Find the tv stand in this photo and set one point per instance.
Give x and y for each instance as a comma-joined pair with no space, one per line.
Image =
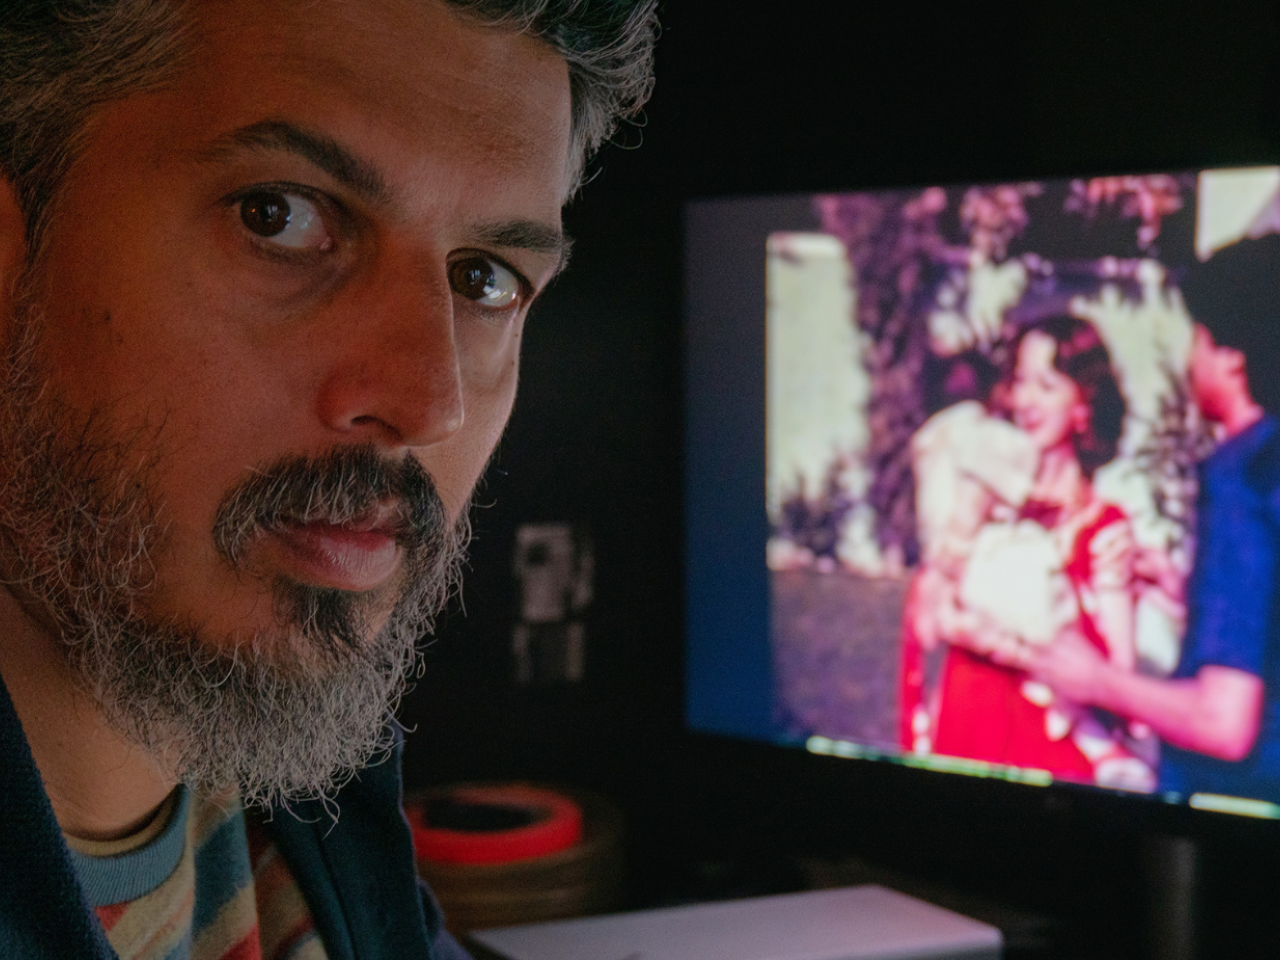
1172,867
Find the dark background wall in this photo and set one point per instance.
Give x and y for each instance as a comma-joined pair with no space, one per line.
790,97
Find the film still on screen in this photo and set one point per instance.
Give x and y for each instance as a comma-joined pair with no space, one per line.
1023,480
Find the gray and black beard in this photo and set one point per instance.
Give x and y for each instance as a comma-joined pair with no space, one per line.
287,715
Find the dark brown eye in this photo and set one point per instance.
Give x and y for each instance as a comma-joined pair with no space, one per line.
266,214
287,220
471,278
485,282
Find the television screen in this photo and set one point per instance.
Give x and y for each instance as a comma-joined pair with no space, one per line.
985,479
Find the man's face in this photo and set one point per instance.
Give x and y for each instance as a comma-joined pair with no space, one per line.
1217,375
313,252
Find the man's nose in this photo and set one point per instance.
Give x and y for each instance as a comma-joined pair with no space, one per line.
397,379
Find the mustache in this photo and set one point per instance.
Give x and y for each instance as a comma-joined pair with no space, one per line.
346,485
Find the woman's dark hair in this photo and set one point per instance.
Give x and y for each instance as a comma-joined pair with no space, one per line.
1082,356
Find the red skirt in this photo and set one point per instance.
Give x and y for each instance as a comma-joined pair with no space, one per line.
983,715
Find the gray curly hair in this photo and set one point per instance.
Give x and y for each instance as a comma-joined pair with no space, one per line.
60,59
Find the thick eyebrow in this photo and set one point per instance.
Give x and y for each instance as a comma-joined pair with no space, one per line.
325,152
363,179
526,235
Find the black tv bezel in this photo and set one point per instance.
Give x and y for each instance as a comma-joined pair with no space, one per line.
836,792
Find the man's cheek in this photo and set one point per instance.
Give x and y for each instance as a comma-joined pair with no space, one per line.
490,391
456,466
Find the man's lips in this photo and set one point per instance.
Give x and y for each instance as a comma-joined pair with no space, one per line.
356,556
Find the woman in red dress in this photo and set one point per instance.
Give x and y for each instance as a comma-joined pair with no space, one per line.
1063,393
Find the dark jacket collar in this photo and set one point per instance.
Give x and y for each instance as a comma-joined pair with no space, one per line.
43,913
357,875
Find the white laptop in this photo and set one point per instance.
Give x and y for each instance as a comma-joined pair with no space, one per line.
848,923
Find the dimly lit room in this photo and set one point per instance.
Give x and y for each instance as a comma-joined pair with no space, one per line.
639,480
624,517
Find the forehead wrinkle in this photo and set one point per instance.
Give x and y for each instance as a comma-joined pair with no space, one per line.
510,93
319,149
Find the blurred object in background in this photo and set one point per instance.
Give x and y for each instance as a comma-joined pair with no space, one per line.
556,571
502,854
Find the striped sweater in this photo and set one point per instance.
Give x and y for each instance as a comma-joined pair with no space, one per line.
358,874
200,883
